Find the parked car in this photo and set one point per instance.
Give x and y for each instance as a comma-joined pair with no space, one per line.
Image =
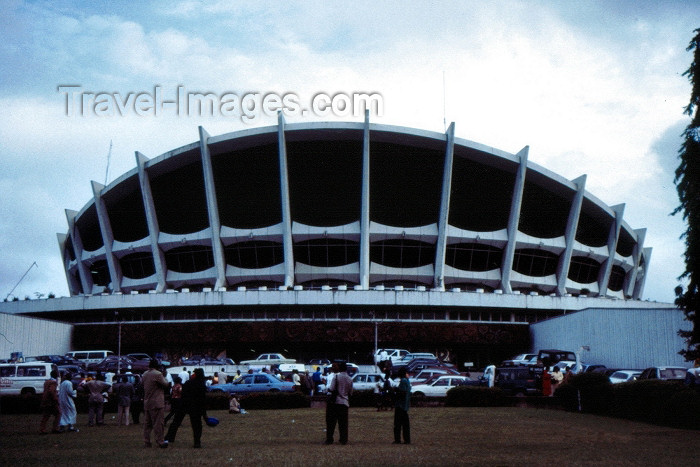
560,358
352,369
366,381
410,356
427,373
215,361
114,363
438,387
192,360
268,359
139,356
256,382
517,380
56,360
592,368
89,356
24,378
606,371
521,359
133,378
76,372
418,364
668,373
318,362
622,376
73,369
389,354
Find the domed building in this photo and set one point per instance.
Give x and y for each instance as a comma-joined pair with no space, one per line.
322,237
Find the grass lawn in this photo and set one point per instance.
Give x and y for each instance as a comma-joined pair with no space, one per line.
441,436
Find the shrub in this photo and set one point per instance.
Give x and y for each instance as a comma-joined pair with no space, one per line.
655,401
683,409
274,400
587,392
471,396
364,398
217,400
20,404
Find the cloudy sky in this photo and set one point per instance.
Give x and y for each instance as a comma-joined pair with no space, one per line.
592,87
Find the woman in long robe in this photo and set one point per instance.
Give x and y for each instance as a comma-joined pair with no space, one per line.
66,396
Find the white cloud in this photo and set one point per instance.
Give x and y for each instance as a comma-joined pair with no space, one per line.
587,99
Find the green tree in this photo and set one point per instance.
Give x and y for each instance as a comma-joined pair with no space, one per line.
688,185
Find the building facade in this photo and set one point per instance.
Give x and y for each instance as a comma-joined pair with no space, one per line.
330,237
349,205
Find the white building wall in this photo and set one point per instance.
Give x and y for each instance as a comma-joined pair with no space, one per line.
618,338
33,336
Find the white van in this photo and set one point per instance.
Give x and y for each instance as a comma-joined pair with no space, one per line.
24,378
90,356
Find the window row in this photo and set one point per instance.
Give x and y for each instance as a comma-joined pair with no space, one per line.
333,252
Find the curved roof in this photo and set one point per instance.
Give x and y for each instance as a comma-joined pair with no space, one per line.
353,205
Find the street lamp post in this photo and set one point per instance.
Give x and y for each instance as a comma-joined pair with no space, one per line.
376,324
119,343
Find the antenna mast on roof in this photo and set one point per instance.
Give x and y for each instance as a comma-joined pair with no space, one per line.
21,279
444,117
109,156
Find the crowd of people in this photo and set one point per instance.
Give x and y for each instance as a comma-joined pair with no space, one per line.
187,396
148,397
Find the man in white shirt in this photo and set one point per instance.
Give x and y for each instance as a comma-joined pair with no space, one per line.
184,375
340,389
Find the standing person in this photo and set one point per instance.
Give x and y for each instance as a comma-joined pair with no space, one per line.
223,377
66,403
296,380
307,384
194,393
329,376
137,402
557,378
387,390
175,398
124,392
490,375
49,404
154,387
378,398
95,389
341,389
401,405
184,375
546,382
317,379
